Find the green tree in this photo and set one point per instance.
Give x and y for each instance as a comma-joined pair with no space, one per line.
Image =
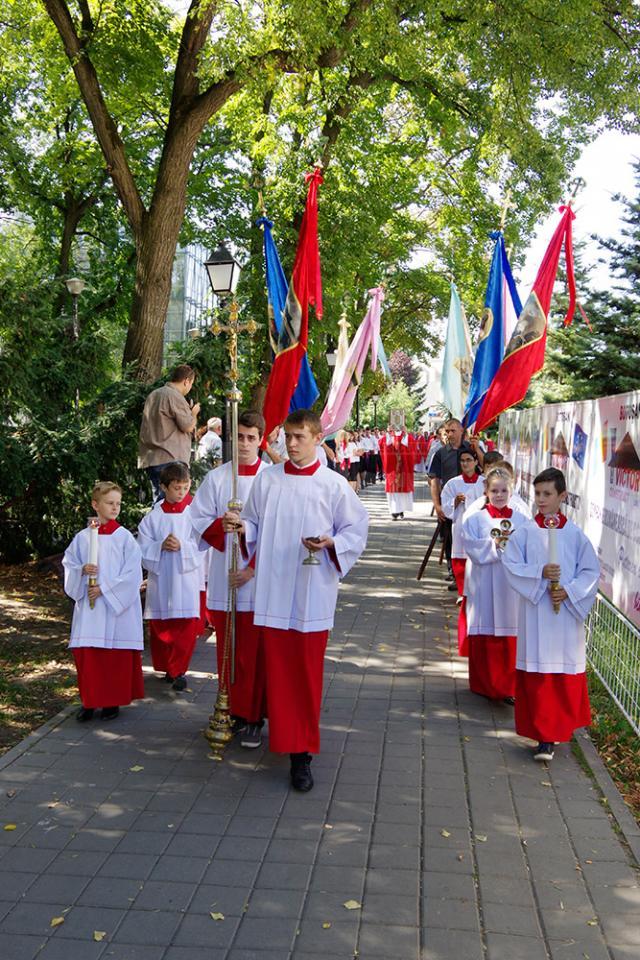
413,111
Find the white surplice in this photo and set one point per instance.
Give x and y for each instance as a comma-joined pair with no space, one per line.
551,642
115,622
281,510
492,606
175,577
209,504
472,491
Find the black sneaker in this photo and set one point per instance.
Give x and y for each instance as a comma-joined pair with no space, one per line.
510,701
450,578
180,683
168,678
84,714
238,724
544,751
453,586
301,778
251,736
394,516
109,713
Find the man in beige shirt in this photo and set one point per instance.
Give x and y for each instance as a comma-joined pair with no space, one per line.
167,424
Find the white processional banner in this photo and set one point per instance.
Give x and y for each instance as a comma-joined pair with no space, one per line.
595,443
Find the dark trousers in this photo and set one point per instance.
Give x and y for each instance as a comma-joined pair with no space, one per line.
448,540
154,476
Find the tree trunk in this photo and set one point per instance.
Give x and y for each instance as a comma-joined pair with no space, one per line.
156,250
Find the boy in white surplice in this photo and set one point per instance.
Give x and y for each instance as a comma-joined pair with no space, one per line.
551,685
106,638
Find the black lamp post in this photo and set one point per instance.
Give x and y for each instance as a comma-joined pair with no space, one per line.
75,286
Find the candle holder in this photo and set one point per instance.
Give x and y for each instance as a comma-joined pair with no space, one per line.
93,523
552,522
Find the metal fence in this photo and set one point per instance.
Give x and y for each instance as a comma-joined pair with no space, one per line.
613,650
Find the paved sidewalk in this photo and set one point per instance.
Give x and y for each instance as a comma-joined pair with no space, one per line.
427,812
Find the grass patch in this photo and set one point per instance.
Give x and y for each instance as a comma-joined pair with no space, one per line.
617,742
37,674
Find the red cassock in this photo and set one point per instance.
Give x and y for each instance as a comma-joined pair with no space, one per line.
458,565
247,695
294,688
172,644
398,458
550,706
491,666
107,677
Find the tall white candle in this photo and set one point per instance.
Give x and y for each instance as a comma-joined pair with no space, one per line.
93,543
553,544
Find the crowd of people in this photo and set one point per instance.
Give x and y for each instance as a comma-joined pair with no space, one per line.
524,584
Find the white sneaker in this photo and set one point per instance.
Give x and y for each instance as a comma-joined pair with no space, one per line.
544,751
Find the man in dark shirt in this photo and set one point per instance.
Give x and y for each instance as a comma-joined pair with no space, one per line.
446,465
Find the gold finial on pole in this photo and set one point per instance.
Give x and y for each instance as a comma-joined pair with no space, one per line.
220,732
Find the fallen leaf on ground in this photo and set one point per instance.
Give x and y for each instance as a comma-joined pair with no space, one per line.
444,833
546,783
481,837
56,921
217,916
136,769
99,935
11,826
11,793
592,923
325,926
352,904
466,739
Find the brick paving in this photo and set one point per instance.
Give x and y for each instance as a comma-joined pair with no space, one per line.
427,812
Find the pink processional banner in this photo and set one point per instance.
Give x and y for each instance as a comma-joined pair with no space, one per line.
596,443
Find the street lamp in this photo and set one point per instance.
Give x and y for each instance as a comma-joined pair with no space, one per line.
374,399
224,272
75,286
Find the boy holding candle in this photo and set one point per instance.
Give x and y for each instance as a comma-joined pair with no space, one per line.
106,630
551,685
171,556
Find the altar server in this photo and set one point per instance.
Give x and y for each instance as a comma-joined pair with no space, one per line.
492,606
248,691
551,685
515,500
298,512
399,457
457,495
174,563
106,639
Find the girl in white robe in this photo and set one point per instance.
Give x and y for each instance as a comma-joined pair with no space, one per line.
492,606
172,558
551,686
456,497
106,639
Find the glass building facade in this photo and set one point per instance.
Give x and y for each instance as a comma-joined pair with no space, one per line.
191,295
